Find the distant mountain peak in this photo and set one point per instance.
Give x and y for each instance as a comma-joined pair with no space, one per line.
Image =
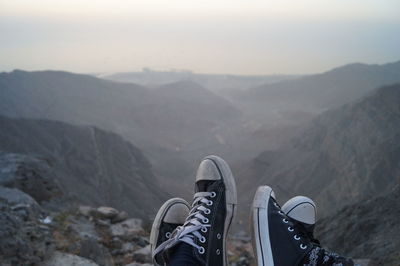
362,66
188,90
186,84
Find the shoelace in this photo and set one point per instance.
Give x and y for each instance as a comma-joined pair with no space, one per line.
195,222
303,232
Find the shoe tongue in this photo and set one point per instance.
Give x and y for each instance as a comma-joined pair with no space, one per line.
203,185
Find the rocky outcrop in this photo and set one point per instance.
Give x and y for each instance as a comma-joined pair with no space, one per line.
29,174
367,229
32,231
24,237
59,258
90,165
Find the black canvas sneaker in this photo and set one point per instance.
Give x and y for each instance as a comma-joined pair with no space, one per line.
277,238
171,215
207,225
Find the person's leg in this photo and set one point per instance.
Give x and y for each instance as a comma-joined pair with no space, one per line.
202,238
183,255
280,239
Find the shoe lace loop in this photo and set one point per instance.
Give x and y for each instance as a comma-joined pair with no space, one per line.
194,223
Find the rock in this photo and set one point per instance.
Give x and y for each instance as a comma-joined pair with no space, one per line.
17,198
23,240
365,262
139,264
84,228
122,216
240,252
20,201
86,211
127,229
59,258
28,174
47,220
116,243
96,252
358,231
142,241
106,212
104,223
127,247
142,255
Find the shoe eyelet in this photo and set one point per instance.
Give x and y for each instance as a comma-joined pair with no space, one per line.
202,239
296,237
281,212
276,205
201,250
210,202
290,229
205,220
303,246
204,229
167,234
285,221
218,236
218,251
213,194
207,211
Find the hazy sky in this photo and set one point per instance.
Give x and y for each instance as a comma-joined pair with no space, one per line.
207,36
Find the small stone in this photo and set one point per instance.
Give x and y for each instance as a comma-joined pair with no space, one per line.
142,255
127,229
59,258
363,262
91,249
106,212
86,211
127,247
122,216
142,241
47,220
105,223
116,243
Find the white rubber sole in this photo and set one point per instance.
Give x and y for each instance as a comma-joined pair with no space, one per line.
260,227
231,196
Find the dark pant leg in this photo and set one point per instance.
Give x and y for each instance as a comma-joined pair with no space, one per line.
183,256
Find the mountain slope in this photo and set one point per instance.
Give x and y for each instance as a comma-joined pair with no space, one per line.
169,130
213,82
139,114
341,157
322,91
93,166
366,229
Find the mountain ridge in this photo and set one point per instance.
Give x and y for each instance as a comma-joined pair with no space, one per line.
92,165
326,90
349,153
